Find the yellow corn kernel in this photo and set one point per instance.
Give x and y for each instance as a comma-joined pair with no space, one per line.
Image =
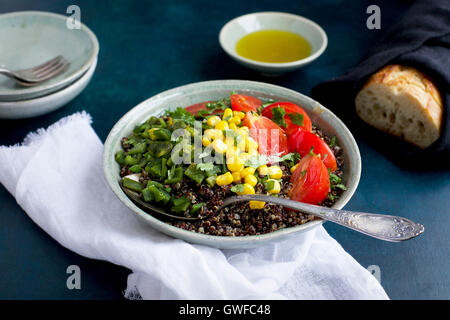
206,142
263,170
242,132
247,171
248,189
213,134
245,128
241,143
234,163
232,126
232,151
244,156
213,121
227,114
276,186
239,114
251,180
236,176
151,133
235,120
222,125
275,172
224,179
293,168
219,146
251,146
256,204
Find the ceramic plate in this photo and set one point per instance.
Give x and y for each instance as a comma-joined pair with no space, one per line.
214,90
30,38
38,106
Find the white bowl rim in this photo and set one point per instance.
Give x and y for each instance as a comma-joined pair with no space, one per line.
77,73
276,64
195,237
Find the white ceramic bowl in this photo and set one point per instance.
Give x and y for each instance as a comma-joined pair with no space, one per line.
214,90
237,28
42,105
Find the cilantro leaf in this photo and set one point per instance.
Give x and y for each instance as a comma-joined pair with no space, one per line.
333,141
269,184
257,161
278,114
181,114
296,118
292,156
237,188
341,186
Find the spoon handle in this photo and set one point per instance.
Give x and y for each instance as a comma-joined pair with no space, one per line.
380,226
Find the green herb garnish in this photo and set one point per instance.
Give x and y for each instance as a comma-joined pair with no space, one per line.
237,188
296,118
278,114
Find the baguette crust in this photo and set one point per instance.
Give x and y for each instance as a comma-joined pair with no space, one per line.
404,102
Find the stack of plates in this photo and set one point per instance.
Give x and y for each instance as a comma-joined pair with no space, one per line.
30,38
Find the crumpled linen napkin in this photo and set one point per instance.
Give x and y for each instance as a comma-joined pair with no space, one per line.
56,176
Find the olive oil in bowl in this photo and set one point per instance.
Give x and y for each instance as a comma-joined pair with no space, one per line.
273,46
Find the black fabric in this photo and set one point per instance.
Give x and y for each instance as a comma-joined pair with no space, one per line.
421,39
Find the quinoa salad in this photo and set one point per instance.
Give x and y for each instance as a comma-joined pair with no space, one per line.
188,160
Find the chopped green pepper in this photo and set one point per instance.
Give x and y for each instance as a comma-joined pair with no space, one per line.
174,175
135,169
195,174
160,148
147,195
138,148
131,161
155,170
163,167
160,134
120,157
132,184
181,204
196,208
158,194
211,181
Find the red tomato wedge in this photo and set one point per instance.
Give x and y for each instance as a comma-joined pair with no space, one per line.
240,102
272,140
302,141
292,110
310,181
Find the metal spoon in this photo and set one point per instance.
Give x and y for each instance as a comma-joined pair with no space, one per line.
380,226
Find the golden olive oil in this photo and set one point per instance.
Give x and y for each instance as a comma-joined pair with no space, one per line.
274,46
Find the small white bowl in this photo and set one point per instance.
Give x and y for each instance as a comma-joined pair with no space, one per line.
237,28
42,105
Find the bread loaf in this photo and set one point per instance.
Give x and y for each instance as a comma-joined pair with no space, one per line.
404,102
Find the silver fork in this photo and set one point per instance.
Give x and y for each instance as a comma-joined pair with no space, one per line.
33,76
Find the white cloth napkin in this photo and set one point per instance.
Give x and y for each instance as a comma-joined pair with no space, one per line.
56,177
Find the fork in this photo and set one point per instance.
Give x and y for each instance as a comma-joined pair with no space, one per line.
34,76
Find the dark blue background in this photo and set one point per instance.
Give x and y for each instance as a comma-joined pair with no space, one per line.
149,46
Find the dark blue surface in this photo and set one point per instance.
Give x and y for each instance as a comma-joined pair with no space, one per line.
148,47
